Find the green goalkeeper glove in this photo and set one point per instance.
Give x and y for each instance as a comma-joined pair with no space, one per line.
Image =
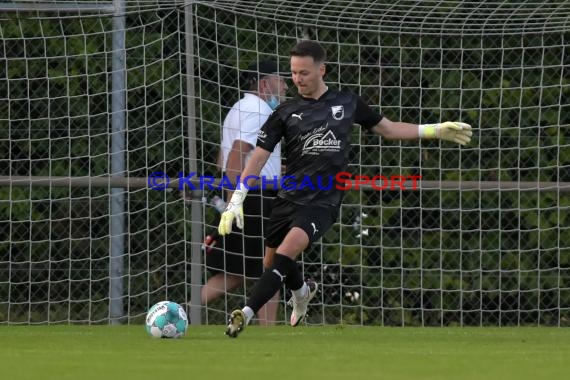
450,130
234,210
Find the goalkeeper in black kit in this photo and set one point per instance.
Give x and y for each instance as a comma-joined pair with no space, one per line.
316,128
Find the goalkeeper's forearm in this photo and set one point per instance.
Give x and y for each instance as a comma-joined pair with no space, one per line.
252,169
451,131
234,209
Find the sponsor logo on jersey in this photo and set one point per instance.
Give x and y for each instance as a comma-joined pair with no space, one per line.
319,141
337,112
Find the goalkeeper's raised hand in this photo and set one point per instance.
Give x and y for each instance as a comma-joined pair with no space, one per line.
450,131
234,210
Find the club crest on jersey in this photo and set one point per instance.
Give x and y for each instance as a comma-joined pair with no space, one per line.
337,112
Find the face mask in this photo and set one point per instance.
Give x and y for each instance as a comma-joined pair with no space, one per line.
273,102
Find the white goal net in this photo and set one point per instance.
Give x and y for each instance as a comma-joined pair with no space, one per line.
97,96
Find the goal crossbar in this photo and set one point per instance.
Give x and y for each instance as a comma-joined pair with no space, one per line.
101,7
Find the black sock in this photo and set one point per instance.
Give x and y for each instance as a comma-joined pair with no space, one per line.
270,281
294,279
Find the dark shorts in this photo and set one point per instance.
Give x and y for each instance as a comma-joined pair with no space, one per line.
241,252
314,220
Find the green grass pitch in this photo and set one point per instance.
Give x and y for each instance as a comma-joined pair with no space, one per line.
282,352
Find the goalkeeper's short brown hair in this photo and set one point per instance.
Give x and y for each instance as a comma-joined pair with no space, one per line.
309,48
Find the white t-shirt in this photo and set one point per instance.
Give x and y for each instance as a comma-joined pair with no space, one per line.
242,123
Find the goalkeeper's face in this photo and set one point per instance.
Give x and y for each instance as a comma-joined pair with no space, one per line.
307,75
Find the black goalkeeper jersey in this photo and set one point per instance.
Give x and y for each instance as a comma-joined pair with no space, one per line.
317,140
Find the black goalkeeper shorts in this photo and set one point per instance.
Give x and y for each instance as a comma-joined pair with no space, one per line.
241,252
314,220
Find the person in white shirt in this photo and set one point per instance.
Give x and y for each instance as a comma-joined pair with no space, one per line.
241,259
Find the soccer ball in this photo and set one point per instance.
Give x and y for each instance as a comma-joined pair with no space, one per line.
166,319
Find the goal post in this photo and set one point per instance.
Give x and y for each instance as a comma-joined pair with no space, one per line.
483,241
84,83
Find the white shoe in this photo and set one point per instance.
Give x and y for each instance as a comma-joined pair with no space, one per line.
300,306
